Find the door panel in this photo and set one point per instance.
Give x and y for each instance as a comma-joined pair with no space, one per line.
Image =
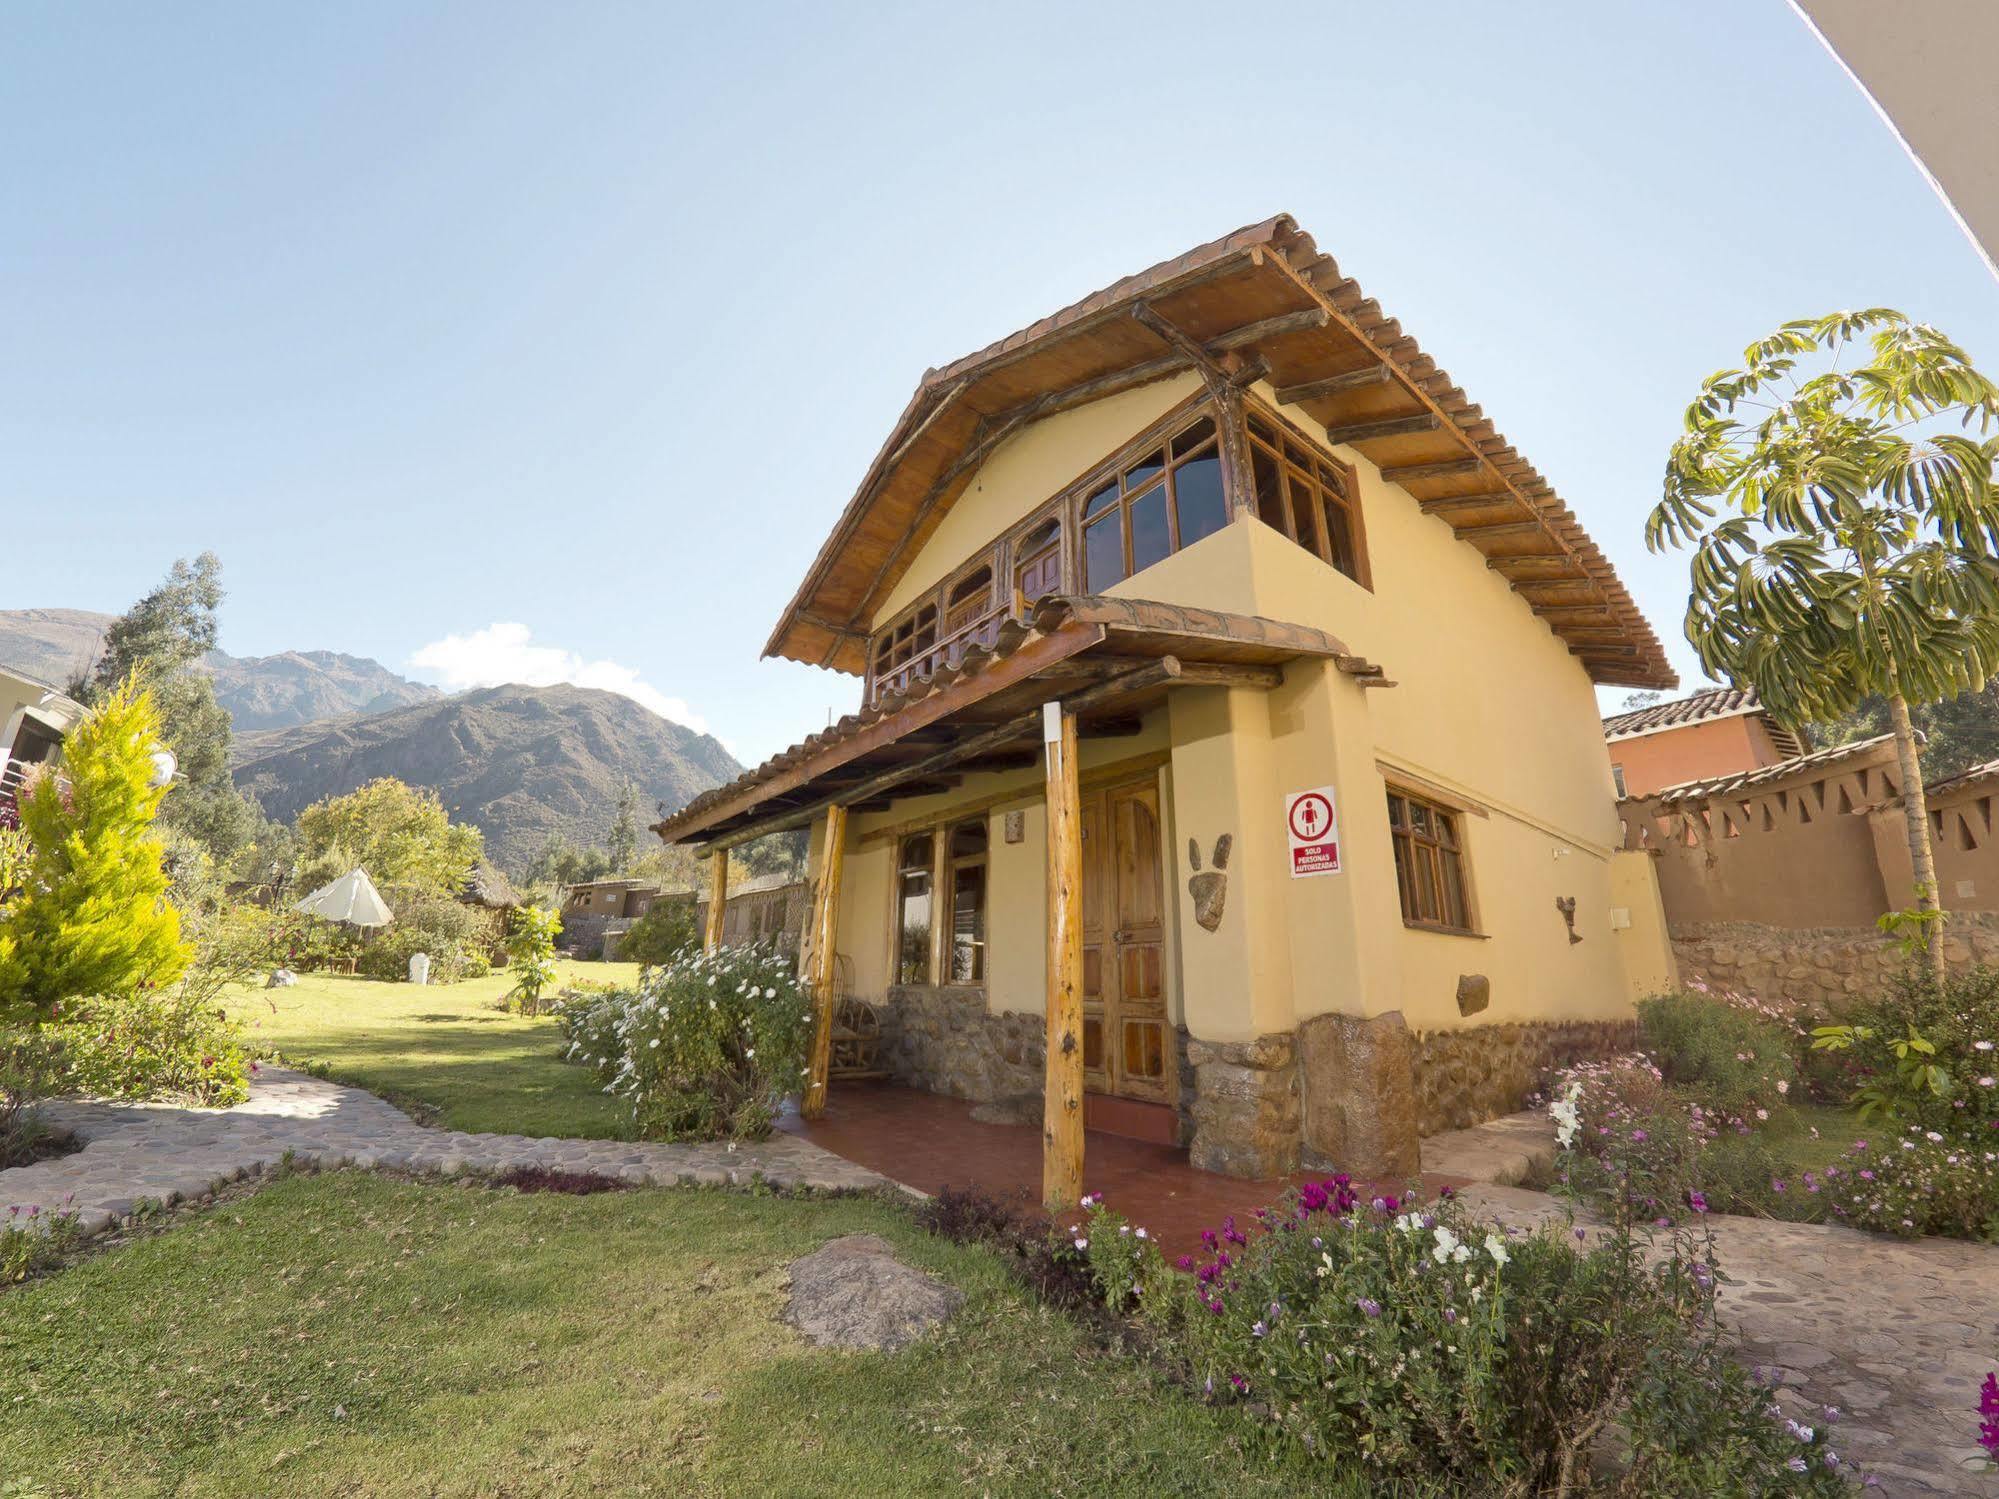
1124,999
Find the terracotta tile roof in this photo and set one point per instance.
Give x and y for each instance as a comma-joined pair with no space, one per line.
1716,702
1766,775
1251,279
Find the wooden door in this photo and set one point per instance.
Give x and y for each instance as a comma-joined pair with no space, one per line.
1126,1047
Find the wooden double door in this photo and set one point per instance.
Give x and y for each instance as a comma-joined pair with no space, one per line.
1127,1040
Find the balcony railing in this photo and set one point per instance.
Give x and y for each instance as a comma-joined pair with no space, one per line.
982,630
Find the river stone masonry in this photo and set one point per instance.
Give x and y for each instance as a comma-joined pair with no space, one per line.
1820,970
945,1040
1246,1112
139,1152
1468,1075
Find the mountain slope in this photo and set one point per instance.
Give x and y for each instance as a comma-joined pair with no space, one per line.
259,692
295,687
518,762
51,645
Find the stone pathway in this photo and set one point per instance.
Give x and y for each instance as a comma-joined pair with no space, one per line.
138,1151
1896,1334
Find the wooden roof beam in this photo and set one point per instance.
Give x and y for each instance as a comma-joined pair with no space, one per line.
1392,426
1451,503
1509,528
1332,385
1270,327
1453,468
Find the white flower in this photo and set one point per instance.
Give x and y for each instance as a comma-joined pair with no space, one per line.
1082,1243
1141,1233
1496,1247
749,1051
654,1042
1461,1254
1782,1086
1446,1243
1981,1046
1985,1082
1933,1137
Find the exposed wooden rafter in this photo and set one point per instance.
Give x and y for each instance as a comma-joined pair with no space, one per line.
1332,385
1450,468
1452,503
1392,426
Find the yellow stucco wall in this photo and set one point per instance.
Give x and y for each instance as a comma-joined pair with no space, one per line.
1033,466
1490,707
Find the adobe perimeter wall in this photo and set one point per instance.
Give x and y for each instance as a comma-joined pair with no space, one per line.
1818,969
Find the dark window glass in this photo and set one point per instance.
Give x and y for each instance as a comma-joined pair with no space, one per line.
968,838
977,586
1097,502
1150,540
1142,472
1193,437
968,923
1269,492
1103,553
1197,498
1258,427
1429,863
1304,511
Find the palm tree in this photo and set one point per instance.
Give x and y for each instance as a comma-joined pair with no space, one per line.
1861,551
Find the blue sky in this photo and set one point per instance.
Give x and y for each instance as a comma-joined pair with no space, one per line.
584,320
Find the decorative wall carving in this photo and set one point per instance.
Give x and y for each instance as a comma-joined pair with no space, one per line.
1209,889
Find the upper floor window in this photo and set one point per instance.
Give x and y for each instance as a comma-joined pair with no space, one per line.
906,642
1305,494
1166,498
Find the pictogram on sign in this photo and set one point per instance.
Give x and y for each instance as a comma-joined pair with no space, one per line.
1312,824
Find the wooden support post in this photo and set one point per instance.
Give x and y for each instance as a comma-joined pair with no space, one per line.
718,897
1062,1093
822,974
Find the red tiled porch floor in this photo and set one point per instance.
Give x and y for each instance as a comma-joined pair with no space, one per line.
927,1141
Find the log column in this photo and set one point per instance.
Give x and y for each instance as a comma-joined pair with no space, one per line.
718,897
1062,1093
821,970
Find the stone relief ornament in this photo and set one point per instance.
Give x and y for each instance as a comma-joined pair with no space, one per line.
1210,890
1566,904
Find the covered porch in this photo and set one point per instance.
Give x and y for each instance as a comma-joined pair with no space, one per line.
1072,671
927,1142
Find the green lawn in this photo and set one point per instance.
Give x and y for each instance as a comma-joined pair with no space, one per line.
443,1047
358,1335
1790,1134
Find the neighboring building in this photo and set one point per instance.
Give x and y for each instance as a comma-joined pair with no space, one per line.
1721,732
769,908
1927,69
34,718
1228,525
603,908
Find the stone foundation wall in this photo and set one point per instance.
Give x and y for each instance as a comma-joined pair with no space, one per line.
1818,969
945,1040
1479,1072
1246,1115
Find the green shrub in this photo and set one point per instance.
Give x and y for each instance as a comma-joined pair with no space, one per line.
163,1043
706,1048
588,1020
662,934
1441,1354
33,1239
1740,1060
28,1074
1926,1054
452,933
531,934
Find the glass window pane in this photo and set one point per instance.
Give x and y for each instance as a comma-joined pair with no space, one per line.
1144,471
1193,437
968,838
1150,540
916,852
1454,892
1297,455
1258,427
1097,502
1340,538
1269,492
1405,882
1197,498
968,924
1425,872
1304,511
913,929
1103,553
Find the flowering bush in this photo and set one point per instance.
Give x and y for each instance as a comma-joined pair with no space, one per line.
1920,1182
1445,1354
1737,1059
161,1043
452,934
706,1047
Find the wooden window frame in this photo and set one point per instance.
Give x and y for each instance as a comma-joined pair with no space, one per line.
1432,849
951,864
1348,500
1163,482
899,899
1065,508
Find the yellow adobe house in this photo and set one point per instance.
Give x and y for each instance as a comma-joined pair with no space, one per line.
1228,769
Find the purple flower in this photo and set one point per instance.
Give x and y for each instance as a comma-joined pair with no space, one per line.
1988,1409
1697,1201
1259,1329
1369,1306
1238,1384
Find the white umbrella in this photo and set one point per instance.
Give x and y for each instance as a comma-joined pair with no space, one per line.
351,898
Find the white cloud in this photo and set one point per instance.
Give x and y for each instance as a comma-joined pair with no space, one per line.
504,652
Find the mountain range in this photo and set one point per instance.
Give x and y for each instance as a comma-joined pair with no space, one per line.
520,763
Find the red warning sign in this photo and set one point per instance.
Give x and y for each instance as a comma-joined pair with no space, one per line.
1313,826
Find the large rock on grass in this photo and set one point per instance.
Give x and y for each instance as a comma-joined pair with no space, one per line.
854,1293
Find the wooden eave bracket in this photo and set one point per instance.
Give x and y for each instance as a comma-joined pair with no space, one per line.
1364,672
